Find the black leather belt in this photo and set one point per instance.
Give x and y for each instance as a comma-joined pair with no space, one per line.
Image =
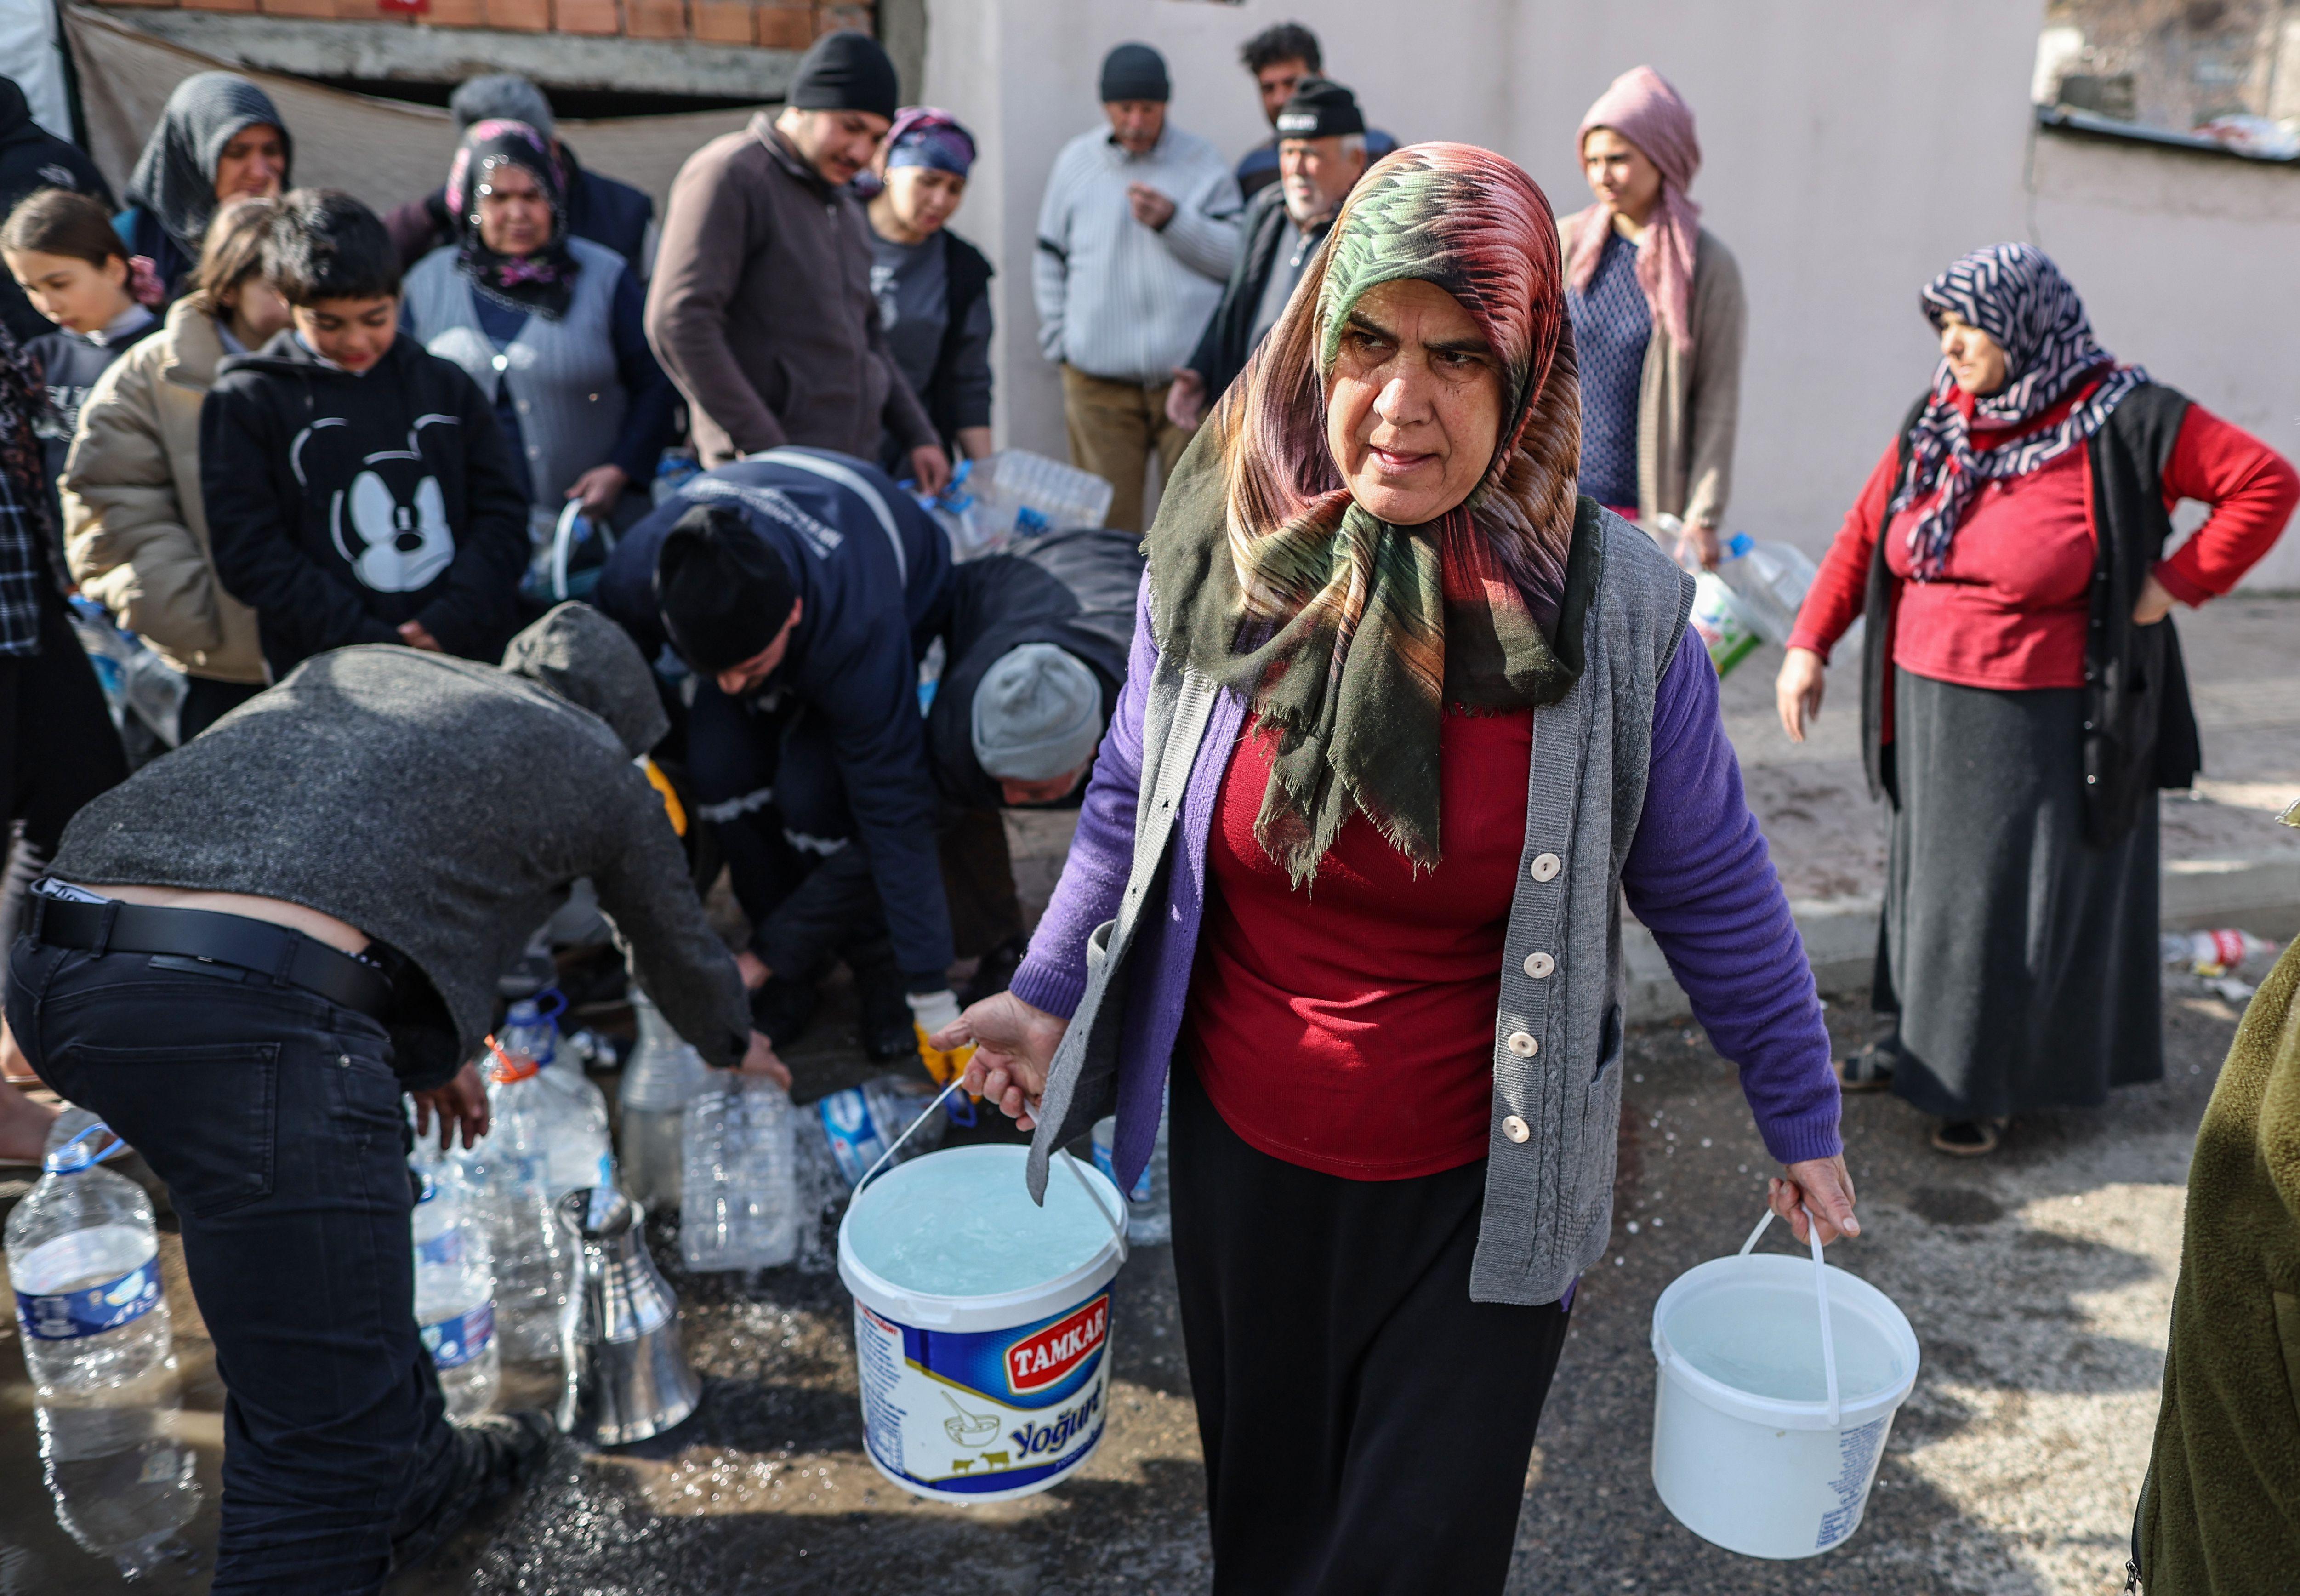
286,956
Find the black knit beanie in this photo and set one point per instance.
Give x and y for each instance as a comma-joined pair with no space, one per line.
845,72
724,591
1321,110
1133,72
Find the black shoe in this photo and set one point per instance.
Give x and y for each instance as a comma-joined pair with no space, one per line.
882,1018
996,973
495,1457
783,1009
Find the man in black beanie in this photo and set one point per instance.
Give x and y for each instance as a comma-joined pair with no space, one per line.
761,306
1322,153
800,590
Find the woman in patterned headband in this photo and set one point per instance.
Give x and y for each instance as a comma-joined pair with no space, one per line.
933,287
2022,698
549,326
1327,879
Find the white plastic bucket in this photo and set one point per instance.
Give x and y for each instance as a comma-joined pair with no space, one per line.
1777,1385
982,1397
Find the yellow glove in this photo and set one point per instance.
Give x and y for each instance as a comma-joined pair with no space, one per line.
931,1012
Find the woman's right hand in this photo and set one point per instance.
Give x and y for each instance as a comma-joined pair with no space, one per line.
1797,690
1014,1046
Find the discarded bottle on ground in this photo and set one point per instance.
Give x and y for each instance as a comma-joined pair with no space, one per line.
1149,1213
454,1286
739,1209
83,1256
663,1075
2211,953
861,1122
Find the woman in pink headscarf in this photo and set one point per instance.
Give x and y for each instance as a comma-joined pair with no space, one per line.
1658,318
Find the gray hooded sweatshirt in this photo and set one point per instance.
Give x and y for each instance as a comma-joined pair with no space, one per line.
443,807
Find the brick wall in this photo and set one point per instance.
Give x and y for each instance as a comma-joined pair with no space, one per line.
770,24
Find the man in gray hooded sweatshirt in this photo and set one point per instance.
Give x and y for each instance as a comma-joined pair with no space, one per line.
248,951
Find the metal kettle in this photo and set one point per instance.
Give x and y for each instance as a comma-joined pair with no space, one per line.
627,1374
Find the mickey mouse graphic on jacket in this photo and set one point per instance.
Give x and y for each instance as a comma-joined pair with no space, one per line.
342,504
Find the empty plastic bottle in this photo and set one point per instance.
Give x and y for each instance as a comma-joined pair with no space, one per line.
2212,952
122,1492
662,1074
741,1200
861,1122
510,1172
1770,580
1022,493
577,1150
1149,1215
454,1286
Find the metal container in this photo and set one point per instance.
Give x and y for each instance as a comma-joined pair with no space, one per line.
627,1374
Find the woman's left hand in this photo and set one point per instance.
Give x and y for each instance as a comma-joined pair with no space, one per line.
599,488
1700,543
2155,602
1822,1185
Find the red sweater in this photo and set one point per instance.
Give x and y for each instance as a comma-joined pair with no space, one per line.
2010,609
1348,1027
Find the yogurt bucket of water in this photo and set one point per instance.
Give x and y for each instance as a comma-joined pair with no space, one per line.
1778,1381
982,1320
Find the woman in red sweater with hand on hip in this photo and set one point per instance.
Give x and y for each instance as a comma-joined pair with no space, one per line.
2023,695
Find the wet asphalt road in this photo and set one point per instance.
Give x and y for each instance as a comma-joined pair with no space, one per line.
2038,1283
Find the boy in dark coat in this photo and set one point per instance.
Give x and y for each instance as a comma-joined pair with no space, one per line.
358,489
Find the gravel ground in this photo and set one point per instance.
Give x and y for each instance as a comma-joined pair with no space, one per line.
2038,1283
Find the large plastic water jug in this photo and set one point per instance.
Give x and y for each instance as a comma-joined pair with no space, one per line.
1778,1381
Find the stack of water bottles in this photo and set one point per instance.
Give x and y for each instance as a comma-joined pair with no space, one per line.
1016,494
83,1258
762,1176
454,1285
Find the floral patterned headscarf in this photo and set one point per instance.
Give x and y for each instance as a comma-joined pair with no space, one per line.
1348,635
544,281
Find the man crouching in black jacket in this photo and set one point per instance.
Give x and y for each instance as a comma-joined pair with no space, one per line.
358,489
248,950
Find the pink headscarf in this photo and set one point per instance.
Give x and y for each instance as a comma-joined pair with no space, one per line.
1642,108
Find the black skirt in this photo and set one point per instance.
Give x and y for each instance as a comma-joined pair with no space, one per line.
1366,1426
2021,960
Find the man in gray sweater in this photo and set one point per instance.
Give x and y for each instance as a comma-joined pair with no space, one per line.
248,950
761,306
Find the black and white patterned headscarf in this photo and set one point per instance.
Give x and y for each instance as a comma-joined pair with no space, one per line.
2013,293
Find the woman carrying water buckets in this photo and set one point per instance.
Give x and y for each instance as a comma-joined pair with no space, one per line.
1402,717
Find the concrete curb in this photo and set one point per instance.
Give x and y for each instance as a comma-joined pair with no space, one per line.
1840,933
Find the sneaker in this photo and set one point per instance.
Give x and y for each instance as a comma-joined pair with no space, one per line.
495,1457
783,1009
1968,1138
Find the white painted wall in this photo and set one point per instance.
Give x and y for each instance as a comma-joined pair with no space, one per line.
1853,148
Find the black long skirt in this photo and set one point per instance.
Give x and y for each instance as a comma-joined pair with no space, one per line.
2021,960
1366,1426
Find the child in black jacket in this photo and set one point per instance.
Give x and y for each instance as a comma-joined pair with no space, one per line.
358,489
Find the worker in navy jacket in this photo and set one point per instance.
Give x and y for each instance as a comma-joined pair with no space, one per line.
801,588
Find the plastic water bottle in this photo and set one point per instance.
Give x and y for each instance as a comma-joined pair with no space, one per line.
662,1074
741,1200
1149,1213
861,1122
1022,493
135,681
2213,953
454,1287
1770,580
578,1151
510,1172
84,1260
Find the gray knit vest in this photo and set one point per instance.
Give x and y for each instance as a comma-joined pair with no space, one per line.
562,374
1557,1032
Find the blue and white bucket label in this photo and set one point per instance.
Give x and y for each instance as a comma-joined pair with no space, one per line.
91,1310
856,1142
984,1413
455,1341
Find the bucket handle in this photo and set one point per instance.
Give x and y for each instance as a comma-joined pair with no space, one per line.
1117,1225
1820,1294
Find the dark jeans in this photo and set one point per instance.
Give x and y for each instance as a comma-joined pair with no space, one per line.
274,1117
1366,1426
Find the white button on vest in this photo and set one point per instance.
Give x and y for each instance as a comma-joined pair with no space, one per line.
1515,1129
1544,867
1539,966
1522,1044
503,362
